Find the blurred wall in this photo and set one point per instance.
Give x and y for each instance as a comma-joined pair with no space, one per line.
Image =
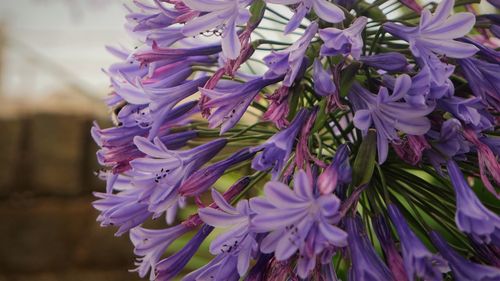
47,225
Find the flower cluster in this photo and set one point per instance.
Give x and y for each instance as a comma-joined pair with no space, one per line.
362,144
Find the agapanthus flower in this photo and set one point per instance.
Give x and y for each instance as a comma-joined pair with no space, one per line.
169,267
343,41
324,9
237,244
390,61
299,220
388,115
223,15
323,82
150,245
483,80
388,245
276,150
232,101
472,217
160,174
204,178
339,171
302,107
289,62
366,264
419,262
435,36
411,149
463,269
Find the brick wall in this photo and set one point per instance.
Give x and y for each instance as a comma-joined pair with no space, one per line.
47,225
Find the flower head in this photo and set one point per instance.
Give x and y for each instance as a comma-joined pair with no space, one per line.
472,217
435,36
223,15
276,150
324,9
345,42
299,220
388,115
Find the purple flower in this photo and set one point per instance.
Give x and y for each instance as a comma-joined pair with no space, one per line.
123,209
483,80
339,171
151,244
171,55
391,61
343,41
448,142
463,269
487,160
297,220
392,255
435,35
323,82
276,150
223,15
203,179
117,147
411,149
169,267
160,174
419,262
237,243
366,264
289,62
472,217
387,114
324,9
231,102
470,111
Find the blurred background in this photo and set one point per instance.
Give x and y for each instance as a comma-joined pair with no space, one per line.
51,89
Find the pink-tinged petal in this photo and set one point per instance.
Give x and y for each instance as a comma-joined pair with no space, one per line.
363,119
302,185
450,48
328,11
277,219
231,45
203,23
335,235
280,195
222,203
454,27
208,5
219,218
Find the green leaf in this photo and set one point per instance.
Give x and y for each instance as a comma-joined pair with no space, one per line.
364,164
371,11
257,12
321,117
348,77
